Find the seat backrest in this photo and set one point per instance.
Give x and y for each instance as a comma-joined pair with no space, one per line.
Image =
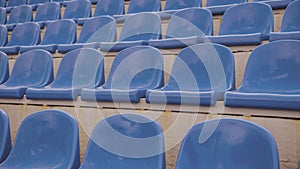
33,2
125,141
78,9
138,67
46,139
291,18
32,68
80,68
203,67
5,140
47,12
26,34
273,68
20,14
3,35
4,68
99,29
180,4
228,143
2,15
16,2
190,22
111,7
141,26
224,2
2,3
60,32
247,18
137,6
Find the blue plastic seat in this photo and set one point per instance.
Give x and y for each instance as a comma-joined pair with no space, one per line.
3,35
173,6
276,4
245,24
32,69
105,7
5,140
25,34
46,139
19,14
2,16
80,68
133,71
290,27
13,3
96,30
137,30
4,68
185,27
271,78
126,141
218,7
200,76
35,3
2,3
138,6
228,144
78,9
58,32
47,12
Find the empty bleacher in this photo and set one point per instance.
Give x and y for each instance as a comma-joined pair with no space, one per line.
176,26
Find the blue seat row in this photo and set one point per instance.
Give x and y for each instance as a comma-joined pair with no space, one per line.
59,35
9,4
83,68
80,10
50,139
46,13
184,29
137,72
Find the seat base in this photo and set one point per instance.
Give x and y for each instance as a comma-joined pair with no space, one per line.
50,48
64,48
238,39
202,98
112,95
285,35
16,92
118,46
262,100
10,50
173,43
52,93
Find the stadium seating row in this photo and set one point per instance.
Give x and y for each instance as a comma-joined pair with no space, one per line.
201,75
80,10
244,24
216,6
50,139
10,4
